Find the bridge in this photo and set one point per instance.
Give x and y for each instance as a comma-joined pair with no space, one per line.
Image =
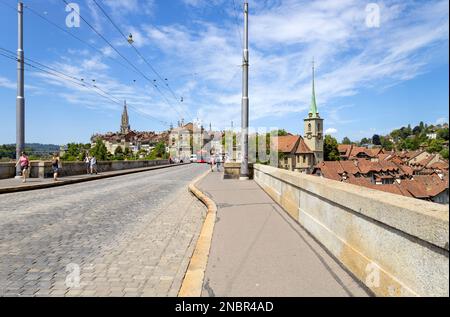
281,234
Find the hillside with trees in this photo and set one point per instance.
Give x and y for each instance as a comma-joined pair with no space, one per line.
432,138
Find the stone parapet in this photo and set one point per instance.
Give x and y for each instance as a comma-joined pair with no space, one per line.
43,169
395,245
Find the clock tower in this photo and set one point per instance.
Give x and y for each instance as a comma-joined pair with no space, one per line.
314,127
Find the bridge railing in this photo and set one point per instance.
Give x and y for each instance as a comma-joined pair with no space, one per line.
395,245
43,169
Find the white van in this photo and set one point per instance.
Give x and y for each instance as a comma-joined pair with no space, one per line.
193,158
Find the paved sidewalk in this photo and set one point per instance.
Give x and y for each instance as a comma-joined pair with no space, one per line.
11,185
258,250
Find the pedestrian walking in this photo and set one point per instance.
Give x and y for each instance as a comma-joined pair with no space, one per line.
24,163
211,161
56,166
93,163
218,162
87,163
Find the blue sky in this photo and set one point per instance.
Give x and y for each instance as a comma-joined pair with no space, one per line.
369,79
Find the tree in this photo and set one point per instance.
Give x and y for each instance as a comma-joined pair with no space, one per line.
364,141
442,134
416,130
376,139
444,153
346,140
118,153
99,150
330,149
435,146
386,143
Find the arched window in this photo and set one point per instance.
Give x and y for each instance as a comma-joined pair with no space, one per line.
309,126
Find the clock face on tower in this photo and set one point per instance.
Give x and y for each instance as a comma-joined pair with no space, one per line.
309,136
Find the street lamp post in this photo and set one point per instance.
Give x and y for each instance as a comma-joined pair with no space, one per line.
244,175
20,100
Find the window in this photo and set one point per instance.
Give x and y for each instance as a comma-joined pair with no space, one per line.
318,126
309,126
304,159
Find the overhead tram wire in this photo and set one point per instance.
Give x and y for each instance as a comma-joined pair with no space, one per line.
236,20
74,36
9,6
126,59
80,83
164,81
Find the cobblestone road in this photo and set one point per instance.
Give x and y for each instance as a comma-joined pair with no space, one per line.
125,236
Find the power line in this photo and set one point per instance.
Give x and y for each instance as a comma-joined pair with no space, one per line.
237,23
163,80
74,36
9,6
78,82
126,59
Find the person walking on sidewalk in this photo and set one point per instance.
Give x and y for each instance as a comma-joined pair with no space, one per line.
24,163
211,161
56,166
218,162
87,162
93,162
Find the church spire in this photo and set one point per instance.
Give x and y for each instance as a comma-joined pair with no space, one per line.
313,108
125,124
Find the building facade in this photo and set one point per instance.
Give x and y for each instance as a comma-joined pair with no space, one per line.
299,153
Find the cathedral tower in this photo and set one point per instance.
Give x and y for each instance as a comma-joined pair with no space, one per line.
125,125
314,127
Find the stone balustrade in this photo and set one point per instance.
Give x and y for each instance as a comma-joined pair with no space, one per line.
43,169
395,245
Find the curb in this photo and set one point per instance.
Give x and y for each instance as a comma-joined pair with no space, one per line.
192,283
7,190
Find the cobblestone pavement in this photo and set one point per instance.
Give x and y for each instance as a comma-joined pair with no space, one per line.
130,235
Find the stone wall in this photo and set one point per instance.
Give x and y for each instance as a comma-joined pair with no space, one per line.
395,245
43,169
232,170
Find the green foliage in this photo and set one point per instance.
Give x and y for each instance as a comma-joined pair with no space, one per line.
444,153
346,140
75,151
435,146
365,141
330,149
386,143
8,151
159,152
442,134
376,139
99,151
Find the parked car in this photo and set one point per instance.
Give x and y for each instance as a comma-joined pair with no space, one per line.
193,158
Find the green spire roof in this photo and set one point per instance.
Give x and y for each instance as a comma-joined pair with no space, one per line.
313,113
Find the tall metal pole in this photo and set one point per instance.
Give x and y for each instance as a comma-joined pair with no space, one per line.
244,116
20,100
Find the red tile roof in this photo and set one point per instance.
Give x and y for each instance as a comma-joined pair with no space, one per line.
286,143
302,147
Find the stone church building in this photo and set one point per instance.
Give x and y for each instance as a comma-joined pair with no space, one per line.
299,153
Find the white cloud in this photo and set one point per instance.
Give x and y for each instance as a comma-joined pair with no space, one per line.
6,83
201,58
331,131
